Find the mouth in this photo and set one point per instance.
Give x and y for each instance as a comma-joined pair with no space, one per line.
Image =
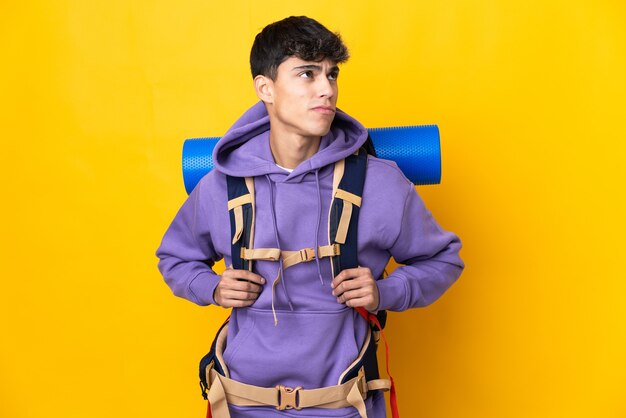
324,110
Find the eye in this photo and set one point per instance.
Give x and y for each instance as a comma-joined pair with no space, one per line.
306,74
333,75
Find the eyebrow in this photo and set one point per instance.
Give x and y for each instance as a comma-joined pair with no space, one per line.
315,68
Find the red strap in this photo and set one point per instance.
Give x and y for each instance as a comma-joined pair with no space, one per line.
208,410
372,319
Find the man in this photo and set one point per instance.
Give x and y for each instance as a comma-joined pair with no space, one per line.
296,326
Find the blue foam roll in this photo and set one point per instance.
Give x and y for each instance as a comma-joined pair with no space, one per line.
415,149
197,160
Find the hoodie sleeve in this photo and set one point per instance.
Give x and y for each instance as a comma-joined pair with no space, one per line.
430,256
186,253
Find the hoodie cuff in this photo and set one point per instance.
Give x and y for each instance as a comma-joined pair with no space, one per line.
393,294
202,287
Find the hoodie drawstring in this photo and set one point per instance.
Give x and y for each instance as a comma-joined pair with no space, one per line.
281,271
317,227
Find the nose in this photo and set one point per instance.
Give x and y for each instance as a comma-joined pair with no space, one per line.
326,88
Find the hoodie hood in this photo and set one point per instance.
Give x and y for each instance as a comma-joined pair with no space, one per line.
244,150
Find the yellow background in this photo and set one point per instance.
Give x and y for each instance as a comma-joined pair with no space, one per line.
97,98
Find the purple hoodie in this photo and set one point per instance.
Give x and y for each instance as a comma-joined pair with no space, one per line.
316,337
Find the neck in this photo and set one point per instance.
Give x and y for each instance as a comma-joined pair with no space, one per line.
289,150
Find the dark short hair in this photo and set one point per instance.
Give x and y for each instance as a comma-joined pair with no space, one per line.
298,36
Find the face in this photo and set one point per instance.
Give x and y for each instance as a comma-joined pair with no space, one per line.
302,100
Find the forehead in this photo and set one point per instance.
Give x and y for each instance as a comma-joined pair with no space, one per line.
293,62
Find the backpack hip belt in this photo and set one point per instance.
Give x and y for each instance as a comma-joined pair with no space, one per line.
221,390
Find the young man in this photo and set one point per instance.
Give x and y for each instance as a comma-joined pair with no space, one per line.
297,326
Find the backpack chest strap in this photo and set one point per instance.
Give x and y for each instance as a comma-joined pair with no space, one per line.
290,258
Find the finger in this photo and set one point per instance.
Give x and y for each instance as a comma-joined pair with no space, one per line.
244,275
239,295
244,286
237,303
351,284
234,281
339,279
349,274
359,302
353,294
242,303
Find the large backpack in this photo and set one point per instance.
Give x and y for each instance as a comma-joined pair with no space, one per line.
348,181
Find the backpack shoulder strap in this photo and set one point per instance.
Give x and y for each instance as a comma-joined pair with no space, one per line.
241,212
348,180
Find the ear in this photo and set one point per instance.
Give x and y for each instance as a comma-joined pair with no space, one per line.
264,88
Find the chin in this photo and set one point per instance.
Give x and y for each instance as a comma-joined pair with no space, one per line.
320,130
322,133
